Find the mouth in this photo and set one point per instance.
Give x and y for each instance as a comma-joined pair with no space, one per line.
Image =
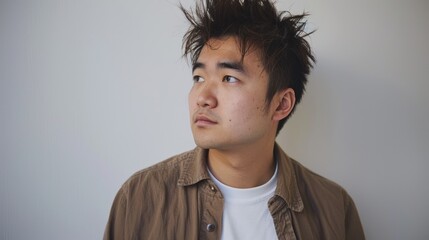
202,121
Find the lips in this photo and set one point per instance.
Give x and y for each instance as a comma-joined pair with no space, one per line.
203,120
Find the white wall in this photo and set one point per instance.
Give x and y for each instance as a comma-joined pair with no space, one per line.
92,91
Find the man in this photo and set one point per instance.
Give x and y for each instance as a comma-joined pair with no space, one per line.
250,65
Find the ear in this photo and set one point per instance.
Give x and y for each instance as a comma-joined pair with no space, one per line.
284,103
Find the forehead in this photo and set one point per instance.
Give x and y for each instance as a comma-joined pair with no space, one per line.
229,48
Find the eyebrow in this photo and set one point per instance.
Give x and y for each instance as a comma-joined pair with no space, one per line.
237,66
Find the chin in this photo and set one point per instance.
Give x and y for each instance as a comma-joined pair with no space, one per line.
203,144
207,143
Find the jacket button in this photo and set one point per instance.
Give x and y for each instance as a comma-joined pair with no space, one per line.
212,188
211,227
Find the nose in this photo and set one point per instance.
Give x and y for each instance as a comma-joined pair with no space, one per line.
207,96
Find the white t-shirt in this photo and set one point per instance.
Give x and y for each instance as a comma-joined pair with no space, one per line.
246,214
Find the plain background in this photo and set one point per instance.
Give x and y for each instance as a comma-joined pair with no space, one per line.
92,91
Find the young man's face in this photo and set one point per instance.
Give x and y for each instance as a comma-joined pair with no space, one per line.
227,101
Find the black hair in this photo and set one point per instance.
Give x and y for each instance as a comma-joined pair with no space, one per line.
279,37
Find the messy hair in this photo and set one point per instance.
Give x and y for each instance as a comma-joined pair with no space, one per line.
279,37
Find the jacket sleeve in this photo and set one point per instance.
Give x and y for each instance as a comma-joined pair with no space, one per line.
354,229
115,228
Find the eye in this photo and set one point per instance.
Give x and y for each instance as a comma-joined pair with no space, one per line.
230,79
198,79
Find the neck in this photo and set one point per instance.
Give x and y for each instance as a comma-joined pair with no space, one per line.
243,168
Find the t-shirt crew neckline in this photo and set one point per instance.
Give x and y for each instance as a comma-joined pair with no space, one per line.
248,195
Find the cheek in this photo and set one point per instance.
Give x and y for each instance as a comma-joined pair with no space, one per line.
258,104
248,107
242,113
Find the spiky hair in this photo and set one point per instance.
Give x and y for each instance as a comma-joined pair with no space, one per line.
279,37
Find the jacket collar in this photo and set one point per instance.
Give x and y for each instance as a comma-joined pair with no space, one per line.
195,170
287,185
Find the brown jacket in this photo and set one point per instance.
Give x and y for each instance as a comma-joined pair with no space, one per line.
176,199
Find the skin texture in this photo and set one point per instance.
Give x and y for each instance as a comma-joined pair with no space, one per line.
230,116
